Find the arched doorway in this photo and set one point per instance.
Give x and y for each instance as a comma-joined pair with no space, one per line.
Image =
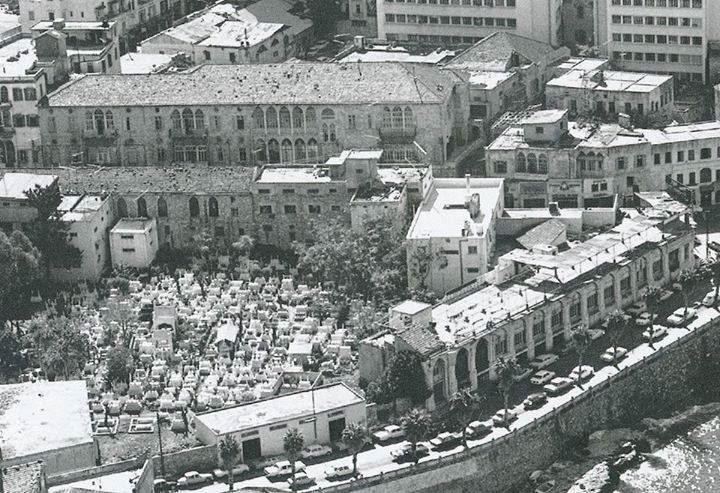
439,393
462,371
482,357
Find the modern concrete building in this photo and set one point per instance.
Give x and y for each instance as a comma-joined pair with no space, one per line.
49,422
457,23
134,242
15,208
320,414
452,236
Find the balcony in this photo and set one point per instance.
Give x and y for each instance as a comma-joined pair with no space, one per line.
398,135
190,135
106,138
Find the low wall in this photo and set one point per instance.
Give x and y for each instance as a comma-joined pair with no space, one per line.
194,459
661,382
94,472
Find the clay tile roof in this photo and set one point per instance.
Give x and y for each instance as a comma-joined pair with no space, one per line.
422,339
543,234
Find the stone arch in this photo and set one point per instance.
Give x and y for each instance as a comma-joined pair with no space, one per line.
705,175
194,207
271,117
162,207
273,151
213,208
258,117
298,118
286,151
520,163
531,163
482,356
439,379
284,117
542,164
260,151
300,151
122,208
142,207
462,369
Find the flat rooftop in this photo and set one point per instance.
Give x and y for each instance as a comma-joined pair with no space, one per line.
132,225
280,409
382,53
489,80
43,416
75,26
17,57
610,81
14,185
80,207
544,116
443,214
581,63
294,175
144,63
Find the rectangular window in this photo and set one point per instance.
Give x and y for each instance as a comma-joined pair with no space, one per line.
128,250
668,157
265,209
500,167
158,122
609,295
592,303
472,250
620,162
290,209
240,122
17,94
680,156
519,340
639,161
288,191
314,209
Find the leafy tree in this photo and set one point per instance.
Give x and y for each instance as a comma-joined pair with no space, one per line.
616,325
354,436
580,339
464,406
244,244
652,300
293,443
122,284
229,453
19,272
61,349
121,313
505,370
49,233
377,391
405,377
119,365
688,280
416,424
11,359
419,263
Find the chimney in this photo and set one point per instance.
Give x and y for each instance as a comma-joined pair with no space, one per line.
359,42
58,24
624,121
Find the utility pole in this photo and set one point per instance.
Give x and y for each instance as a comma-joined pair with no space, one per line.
707,237
162,458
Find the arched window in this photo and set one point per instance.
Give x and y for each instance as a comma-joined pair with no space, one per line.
387,118
258,118
543,164
122,208
213,209
176,120
194,207
705,175
439,382
312,151
89,120
397,117
520,166
273,151
286,151
310,117
4,94
162,207
300,153
188,119
532,163
327,114
580,161
409,117
142,207
260,151
462,369
332,132
298,118
271,117
325,132
99,121
109,124
482,361
199,119
284,117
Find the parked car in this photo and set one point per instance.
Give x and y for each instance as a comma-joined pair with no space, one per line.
498,418
580,373
709,299
390,432
339,471
682,316
542,377
666,294
163,485
544,360
315,450
446,439
193,478
522,373
283,468
558,385
534,401
238,470
612,354
301,480
637,308
405,451
596,334
477,429
643,320
658,333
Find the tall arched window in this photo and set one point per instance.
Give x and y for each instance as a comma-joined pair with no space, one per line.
397,117
705,175
284,117
99,121
142,207
580,161
199,119
273,151
176,120
89,120
327,114
439,382
271,117
122,208
409,117
312,151
300,153
298,118
286,151
188,119
332,132
194,207
532,163
543,164
213,209
325,132
109,123
520,165
162,207
260,151
4,94
258,118
387,118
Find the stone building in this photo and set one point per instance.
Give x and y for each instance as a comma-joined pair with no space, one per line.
578,23
256,114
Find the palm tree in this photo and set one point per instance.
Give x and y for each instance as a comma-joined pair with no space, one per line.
687,280
463,408
293,443
652,300
616,325
505,369
229,453
416,424
581,339
354,436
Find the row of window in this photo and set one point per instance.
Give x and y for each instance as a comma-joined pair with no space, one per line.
434,39
291,209
531,163
476,3
17,120
452,20
18,94
649,20
659,39
683,4
705,177
657,57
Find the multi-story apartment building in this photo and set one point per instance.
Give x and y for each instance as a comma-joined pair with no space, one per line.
464,22
256,114
660,36
547,159
136,19
534,300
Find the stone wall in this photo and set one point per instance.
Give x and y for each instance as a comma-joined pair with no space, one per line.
661,382
203,459
94,472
